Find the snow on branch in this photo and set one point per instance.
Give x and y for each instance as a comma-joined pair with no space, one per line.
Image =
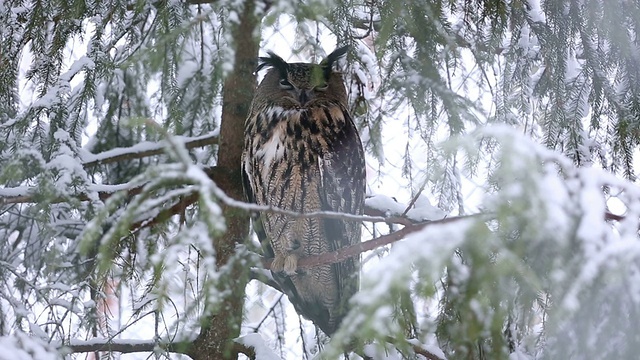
117,345
146,148
133,346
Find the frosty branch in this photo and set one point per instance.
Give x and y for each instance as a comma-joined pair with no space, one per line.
146,149
104,192
372,214
126,346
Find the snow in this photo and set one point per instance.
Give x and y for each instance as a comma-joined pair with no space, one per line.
435,350
15,191
617,253
573,67
53,95
535,13
72,306
519,355
38,332
255,341
141,147
100,341
426,250
387,205
78,65
186,71
423,210
21,346
593,205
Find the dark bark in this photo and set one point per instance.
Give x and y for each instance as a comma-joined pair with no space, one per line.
215,339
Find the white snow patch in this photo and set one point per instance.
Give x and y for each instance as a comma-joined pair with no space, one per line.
536,14
432,348
186,71
389,206
423,210
20,346
255,341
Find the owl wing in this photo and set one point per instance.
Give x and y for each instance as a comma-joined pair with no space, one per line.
248,191
248,178
342,169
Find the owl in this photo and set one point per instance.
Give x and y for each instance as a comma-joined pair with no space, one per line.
302,153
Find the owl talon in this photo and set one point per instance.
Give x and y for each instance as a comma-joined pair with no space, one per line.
291,264
277,265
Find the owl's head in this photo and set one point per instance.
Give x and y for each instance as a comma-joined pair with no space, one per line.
301,85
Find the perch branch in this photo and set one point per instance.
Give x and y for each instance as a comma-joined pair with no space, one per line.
356,249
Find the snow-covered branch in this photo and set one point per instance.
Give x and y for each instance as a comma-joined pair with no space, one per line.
147,148
118,345
134,346
375,212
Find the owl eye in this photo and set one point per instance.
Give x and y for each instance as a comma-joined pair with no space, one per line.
285,84
322,87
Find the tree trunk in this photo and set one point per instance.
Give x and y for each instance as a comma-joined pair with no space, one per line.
216,338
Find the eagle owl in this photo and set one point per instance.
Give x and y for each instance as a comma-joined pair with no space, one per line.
302,153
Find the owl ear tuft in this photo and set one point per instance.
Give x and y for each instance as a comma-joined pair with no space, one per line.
274,61
327,63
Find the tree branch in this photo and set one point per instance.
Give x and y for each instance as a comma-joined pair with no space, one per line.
371,214
127,346
145,149
124,346
264,276
357,249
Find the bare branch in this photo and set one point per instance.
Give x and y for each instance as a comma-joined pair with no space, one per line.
426,353
264,277
418,349
355,250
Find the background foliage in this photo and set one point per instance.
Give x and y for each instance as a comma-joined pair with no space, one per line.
121,125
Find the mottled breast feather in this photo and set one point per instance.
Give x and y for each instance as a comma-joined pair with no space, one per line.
308,160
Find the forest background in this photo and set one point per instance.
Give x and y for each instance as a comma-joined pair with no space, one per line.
502,211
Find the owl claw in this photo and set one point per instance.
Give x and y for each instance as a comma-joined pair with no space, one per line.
287,264
278,264
291,264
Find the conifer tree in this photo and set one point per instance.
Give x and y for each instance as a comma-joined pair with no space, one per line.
122,211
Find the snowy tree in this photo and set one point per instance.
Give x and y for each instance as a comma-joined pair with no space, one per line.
123,225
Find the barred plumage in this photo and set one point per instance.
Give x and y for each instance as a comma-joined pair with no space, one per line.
302,153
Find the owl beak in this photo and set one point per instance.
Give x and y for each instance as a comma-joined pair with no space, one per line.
304,96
